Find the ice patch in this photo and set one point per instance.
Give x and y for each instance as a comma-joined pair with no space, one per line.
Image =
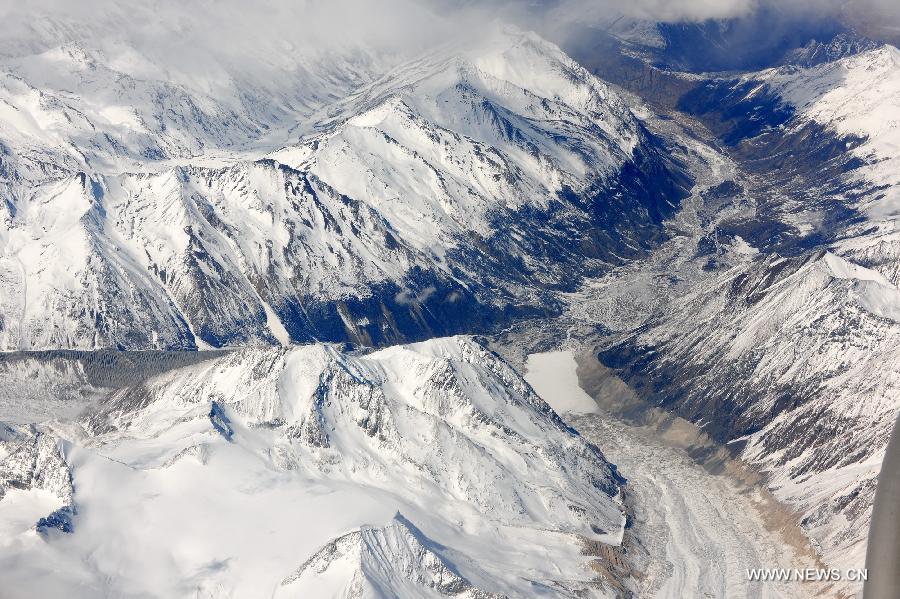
276,327
552,375
871,290
741,246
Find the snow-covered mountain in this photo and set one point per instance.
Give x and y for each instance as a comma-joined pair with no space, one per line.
474,177
354,565
854,97
423,470
772,322
790,363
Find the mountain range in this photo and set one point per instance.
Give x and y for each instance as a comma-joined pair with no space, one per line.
247,325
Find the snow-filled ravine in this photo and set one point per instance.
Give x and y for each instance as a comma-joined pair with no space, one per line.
701,531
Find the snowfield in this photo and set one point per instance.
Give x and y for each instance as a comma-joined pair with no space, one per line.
552,376
421,470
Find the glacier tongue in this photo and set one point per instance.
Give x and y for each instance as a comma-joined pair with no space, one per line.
324,448
769,319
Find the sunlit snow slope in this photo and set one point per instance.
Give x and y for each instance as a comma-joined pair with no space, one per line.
855,96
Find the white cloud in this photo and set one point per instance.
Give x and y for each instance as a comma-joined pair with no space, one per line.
205,37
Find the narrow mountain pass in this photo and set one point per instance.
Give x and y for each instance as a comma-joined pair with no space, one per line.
702,532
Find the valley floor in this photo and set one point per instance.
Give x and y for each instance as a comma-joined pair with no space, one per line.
701,532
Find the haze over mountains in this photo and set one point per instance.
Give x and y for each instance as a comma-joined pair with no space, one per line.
714,223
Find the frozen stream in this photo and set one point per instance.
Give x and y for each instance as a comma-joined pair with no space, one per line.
701,531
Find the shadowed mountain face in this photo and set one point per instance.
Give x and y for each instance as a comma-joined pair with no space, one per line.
765,37
786,363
